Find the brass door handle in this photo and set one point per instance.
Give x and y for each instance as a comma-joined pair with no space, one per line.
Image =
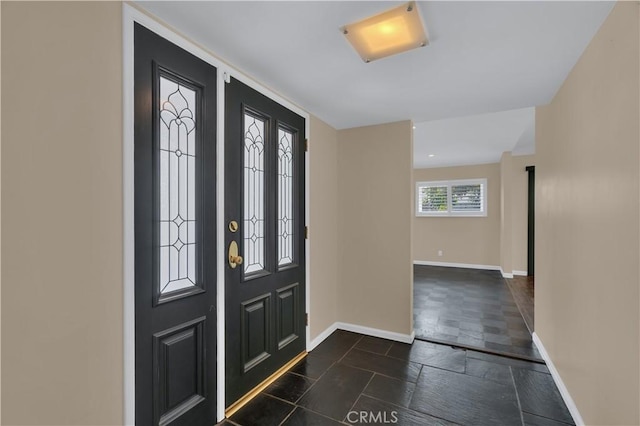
234,258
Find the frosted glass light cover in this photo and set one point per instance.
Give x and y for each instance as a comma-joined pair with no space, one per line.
394,31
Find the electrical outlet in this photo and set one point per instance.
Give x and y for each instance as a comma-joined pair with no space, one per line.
440,253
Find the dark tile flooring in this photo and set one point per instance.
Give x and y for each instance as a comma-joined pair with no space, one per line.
396,383
471,308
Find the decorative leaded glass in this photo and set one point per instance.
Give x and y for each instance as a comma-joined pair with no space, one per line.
177,186
254,206
285,197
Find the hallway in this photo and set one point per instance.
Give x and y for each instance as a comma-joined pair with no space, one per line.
420,384
392,160
471,308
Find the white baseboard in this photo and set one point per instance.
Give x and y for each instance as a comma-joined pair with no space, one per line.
470,266
571,405
457,265
376,332
320,337
506,274
368,331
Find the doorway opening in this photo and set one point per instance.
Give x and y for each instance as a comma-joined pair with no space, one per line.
478,306
523,287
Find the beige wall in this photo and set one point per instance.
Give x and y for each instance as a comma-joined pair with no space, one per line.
500,239
323,226
519,210
514,202
587,245
374,228
0,218
472,240
506,219
62,213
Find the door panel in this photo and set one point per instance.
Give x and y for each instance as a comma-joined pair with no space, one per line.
264,195
175,181
179,356
287,313
254,330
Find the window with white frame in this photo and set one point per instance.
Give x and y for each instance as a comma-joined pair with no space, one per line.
452,198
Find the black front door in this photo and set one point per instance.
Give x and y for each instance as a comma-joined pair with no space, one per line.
264,227
175,235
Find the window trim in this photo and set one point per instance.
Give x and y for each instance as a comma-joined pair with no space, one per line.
449,184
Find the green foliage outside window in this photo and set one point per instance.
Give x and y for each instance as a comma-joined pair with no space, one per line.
434,199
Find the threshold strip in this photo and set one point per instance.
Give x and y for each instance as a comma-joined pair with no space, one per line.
483,350
233,408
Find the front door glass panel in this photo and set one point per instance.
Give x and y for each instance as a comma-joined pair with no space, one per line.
285,197
254,187
177,209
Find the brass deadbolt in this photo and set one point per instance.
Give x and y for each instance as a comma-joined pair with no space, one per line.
233,226
234,258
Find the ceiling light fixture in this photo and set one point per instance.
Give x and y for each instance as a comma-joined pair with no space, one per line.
394,31
431,155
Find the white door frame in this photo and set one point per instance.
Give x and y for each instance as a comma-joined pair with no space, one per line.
131,15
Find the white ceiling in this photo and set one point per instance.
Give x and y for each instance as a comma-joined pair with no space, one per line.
483,57
475,139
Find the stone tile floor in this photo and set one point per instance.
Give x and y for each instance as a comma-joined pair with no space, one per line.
395,383
469,307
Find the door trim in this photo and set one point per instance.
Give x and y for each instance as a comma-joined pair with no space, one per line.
531,219
131,15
